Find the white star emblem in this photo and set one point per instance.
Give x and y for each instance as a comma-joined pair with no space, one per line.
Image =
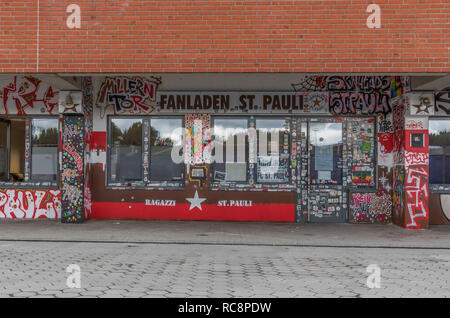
196,202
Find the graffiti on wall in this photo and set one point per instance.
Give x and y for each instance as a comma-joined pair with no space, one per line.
32,204
416,189
366,103
421,103
442,103
72,177
128,95
371,208
28,95
395,85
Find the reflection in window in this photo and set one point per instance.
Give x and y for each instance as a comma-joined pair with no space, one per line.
165,134
230,150
126,150
439,144
272,150
44,149
326,153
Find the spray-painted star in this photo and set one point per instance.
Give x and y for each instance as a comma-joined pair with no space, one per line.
196,202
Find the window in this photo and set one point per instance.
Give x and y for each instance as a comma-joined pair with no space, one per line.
33,138
439,147
140,150
272,150
165,134
230,150
326,153
126,149
44,149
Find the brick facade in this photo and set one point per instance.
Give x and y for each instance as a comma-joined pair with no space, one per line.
224,36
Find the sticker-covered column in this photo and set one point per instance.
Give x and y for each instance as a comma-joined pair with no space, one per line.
72,174
419,107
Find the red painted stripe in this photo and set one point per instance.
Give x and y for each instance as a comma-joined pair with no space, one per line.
283,212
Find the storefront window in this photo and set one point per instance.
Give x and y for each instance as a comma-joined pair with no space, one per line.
44,149
273,150
230,150
326,153
439,143
126,149
165,134
141,150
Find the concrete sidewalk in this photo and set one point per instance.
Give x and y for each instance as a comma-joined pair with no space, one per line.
246,233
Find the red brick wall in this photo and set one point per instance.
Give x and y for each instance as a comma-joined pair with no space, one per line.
225,36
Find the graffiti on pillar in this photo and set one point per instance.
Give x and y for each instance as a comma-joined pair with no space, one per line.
416,158
87,91
416,189
442,103
73,169
28,95
398,194
128,95
371,208
32,204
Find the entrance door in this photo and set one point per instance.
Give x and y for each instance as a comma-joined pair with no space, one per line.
322,195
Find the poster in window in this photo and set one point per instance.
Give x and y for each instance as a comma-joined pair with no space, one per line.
272,169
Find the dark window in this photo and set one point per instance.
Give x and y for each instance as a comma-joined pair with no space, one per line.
126,150
439,146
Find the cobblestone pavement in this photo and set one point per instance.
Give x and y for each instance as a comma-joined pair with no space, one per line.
38,269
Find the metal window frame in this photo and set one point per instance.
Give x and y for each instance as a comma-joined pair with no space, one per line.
30,136
275,116
213,136
444,179
183,123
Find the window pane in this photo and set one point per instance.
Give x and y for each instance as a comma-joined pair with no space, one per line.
273,150
230,150
165,134
17,150
436,168
326,153
126,150
4,151
439,140
44,149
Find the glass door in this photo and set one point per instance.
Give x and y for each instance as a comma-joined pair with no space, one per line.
326,191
